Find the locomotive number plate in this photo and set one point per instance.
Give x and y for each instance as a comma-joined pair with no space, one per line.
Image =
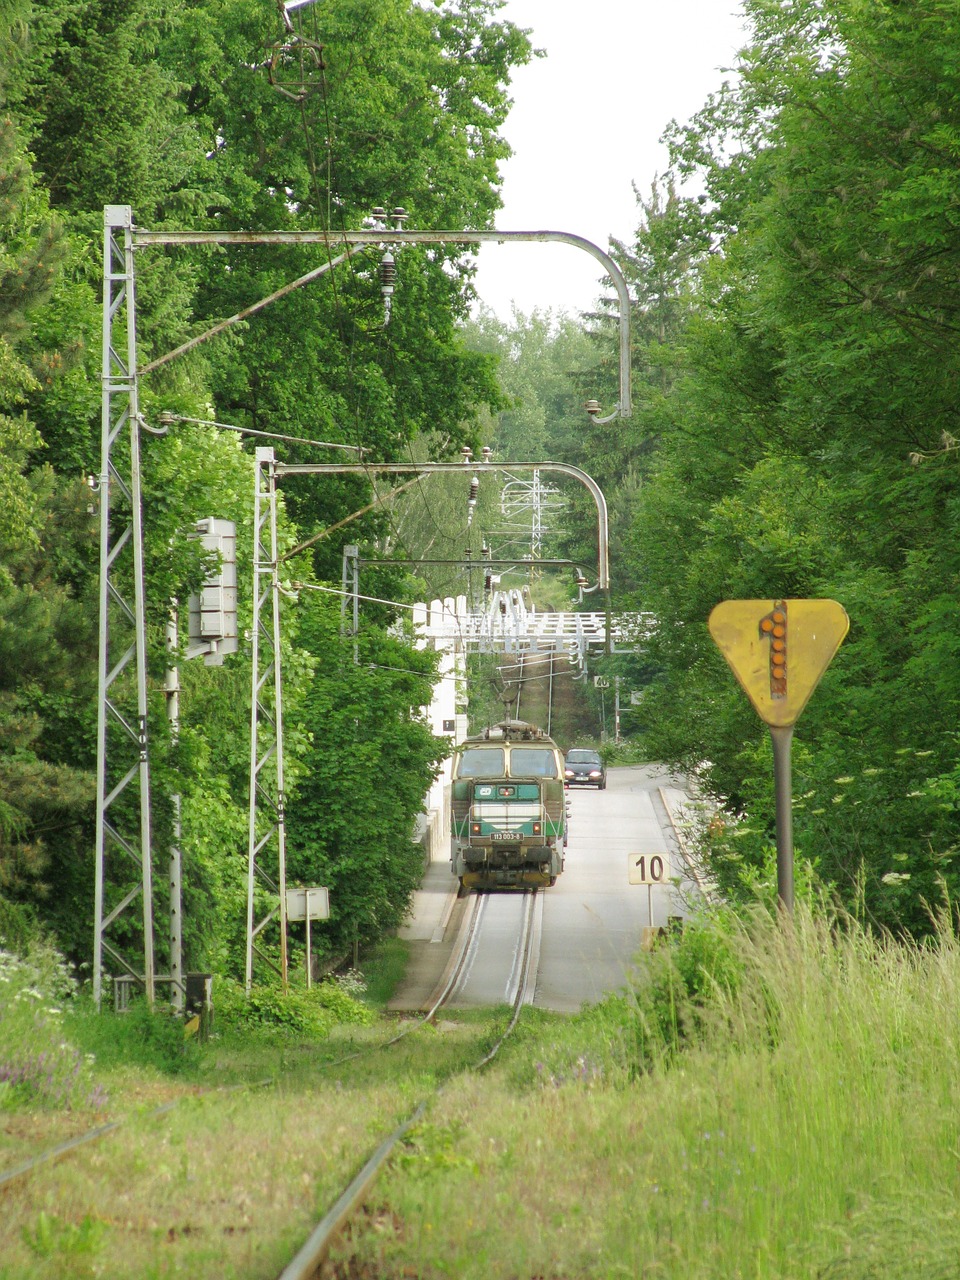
505,835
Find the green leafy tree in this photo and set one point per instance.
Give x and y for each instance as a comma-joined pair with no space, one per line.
371,760
46,637
819,357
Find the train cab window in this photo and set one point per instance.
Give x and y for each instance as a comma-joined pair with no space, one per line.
481,762
532,762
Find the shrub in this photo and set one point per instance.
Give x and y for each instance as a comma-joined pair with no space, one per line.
340,996
310,1013
675,985
37,1065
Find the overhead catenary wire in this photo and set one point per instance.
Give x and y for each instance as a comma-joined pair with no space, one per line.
265,435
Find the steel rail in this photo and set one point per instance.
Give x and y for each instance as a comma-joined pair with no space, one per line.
305,1264
313,1252
441,994
101,1131
530,954
454,970
521,680
53,1153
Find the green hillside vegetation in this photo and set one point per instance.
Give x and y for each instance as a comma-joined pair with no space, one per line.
794,435
170,108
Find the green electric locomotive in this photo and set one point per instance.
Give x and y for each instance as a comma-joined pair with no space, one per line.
508,810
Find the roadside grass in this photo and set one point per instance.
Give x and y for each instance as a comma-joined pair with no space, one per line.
383,968
796,1117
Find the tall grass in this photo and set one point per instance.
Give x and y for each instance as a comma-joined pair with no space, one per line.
38,1065
772,1099
784,1106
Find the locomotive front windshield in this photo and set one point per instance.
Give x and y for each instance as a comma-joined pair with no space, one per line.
490,762
532,762
482,762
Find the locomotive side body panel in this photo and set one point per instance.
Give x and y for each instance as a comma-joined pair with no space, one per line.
508,821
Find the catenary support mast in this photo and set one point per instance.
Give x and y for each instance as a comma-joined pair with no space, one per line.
267,825
123,776
122,682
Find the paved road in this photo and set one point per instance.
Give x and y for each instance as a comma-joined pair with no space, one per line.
593,919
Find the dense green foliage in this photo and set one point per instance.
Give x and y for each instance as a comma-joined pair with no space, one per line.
794,281
793,436
805,443
203,113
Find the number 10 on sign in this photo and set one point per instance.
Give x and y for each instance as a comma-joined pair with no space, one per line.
648,869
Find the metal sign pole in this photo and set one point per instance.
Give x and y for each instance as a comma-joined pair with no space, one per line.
172,691
778,650
782,736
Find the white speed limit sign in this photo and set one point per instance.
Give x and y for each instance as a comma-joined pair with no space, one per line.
648,868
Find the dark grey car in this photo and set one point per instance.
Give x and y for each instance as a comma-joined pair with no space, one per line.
584,768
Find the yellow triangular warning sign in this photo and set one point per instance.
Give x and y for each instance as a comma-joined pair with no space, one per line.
778,649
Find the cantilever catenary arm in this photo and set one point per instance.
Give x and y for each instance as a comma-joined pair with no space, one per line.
427,468
336,241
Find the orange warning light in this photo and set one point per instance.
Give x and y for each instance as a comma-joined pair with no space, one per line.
773,626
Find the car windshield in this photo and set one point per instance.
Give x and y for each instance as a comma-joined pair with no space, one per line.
481,762
583,757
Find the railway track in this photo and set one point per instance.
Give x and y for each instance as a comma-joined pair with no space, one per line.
306,1264
535,675
100,1131
519,981
496,963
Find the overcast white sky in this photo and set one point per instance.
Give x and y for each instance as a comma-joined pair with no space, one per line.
586,124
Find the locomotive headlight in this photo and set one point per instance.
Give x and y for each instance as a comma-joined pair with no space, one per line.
537,828
475,828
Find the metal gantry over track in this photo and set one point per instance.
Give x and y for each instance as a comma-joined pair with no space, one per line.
123,819
266,884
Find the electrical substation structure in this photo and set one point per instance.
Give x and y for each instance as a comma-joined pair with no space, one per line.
123,817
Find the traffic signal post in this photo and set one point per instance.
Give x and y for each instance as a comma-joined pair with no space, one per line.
778,650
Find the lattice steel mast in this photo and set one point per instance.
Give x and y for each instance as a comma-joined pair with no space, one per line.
123,647
267,822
